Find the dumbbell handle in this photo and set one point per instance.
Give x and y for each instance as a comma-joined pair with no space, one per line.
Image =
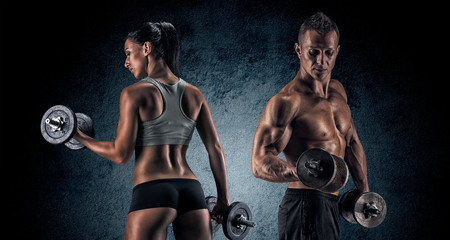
313,167
55,123
371,210
241,220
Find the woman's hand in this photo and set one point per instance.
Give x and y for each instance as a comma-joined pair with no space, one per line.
220,210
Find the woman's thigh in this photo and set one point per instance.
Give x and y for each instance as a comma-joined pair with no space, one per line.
149,223
195,224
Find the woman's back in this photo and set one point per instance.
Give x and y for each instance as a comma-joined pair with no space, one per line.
167,116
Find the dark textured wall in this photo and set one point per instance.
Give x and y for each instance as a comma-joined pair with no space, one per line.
239,54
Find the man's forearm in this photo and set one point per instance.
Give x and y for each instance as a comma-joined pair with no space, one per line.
273,169
356,161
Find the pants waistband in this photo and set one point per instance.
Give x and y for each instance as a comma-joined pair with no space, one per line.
310,193
166,180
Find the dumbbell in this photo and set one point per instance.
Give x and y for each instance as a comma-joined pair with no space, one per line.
366,209
318,169
59,123
236,223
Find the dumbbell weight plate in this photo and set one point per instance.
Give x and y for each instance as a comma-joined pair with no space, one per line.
66,132
352,207
360,205
340,177
230,225
211,202
347,205
86,125
324,176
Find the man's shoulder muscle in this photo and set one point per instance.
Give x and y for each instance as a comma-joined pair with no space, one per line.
337,87
282,108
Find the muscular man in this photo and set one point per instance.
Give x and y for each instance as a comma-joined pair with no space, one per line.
311,111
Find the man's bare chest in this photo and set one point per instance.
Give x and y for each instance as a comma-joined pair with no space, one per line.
321,119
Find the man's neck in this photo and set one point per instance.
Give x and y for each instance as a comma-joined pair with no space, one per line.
316,86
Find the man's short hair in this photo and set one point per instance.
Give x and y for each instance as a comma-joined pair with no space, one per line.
320,23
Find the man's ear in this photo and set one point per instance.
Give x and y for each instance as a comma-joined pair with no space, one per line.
298,50
147,48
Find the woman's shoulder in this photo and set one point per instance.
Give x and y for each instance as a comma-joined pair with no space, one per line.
193,90
143,86
193,93
139,89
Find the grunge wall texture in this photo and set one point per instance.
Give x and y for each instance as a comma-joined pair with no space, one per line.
239,54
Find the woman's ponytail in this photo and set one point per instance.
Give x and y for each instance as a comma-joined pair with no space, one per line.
170,46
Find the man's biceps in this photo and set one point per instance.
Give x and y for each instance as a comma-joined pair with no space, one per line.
265,133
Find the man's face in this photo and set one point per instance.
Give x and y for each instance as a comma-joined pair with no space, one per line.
317,53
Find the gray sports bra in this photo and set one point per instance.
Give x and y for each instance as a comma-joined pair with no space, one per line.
173,126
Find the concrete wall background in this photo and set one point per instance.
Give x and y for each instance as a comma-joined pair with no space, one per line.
239,54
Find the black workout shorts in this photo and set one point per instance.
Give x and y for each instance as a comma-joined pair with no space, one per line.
181,194
308,214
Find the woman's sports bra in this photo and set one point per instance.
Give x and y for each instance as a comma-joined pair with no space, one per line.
173,126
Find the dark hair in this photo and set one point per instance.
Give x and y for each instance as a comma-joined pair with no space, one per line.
318,22
164,40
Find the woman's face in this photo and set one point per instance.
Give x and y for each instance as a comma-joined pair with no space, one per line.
136,60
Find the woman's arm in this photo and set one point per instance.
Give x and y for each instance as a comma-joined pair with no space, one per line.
121,149
210,138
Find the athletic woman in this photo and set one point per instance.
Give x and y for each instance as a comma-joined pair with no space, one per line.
158,115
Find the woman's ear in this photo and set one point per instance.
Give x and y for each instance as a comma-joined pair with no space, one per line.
147,48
